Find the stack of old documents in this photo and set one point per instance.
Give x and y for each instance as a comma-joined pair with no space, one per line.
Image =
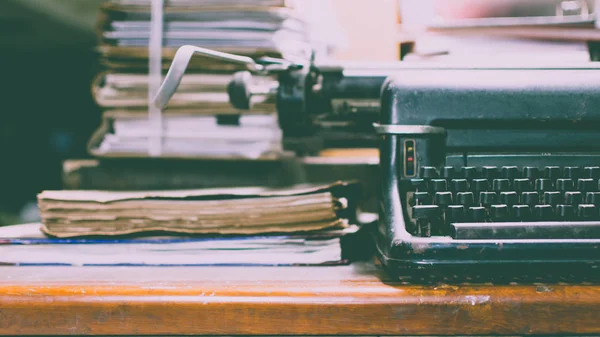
249,226
249,210
254,28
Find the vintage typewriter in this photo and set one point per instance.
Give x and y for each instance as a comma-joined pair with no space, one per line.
481,167
491,170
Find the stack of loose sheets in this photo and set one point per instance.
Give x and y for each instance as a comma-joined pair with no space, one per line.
254,28
299,225
25,245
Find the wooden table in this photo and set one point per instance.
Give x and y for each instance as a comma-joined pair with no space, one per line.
269,301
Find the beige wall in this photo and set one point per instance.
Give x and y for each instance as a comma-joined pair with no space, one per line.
371,29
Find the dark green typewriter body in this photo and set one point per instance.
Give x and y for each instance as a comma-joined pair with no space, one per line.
491,168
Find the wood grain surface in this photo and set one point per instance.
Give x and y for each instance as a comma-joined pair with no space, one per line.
279,301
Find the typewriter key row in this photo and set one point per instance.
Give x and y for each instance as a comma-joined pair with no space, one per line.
509,198
519,185
435,219
501,212
511,172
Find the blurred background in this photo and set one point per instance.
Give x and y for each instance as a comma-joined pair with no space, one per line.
48,60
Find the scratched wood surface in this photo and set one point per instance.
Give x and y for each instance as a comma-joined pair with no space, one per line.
279,301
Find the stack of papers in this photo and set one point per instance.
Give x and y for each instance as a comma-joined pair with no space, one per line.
24,245
197,93
250,27
125,133
252,210
254,28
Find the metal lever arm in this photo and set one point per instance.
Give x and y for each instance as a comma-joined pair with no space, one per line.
180,64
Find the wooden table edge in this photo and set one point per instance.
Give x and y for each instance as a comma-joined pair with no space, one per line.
246,307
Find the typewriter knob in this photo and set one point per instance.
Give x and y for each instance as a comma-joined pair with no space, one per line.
239,90
243,90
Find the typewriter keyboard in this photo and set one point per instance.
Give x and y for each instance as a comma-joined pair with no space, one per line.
508,194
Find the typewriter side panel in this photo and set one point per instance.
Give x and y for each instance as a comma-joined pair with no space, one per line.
394,236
